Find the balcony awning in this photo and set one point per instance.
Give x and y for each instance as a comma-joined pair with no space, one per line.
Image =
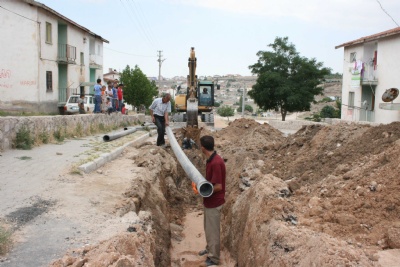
87,84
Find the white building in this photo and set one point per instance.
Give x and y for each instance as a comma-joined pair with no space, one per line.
111,76
45,57
371,65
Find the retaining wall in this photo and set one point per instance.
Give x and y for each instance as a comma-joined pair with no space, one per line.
44,127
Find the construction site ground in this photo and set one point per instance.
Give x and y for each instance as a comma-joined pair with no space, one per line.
325,195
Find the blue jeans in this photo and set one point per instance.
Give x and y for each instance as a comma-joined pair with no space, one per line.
97,103
119,105
114,104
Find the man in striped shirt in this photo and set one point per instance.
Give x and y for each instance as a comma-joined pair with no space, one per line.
159,115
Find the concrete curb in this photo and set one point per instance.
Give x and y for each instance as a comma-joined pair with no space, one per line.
106,157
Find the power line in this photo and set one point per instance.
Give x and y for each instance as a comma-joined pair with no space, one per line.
19,14
139,26
127,53
138,7
132,5
387,12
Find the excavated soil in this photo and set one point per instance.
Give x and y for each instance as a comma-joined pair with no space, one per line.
324,196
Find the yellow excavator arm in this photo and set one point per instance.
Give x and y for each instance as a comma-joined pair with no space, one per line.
192,102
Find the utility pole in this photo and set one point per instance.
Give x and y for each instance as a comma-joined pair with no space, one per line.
160,61
243,97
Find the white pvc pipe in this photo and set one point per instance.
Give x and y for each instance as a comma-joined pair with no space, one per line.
204,187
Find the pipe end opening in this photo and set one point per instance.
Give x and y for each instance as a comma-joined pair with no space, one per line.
206,189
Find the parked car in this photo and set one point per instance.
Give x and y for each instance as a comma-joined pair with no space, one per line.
71,107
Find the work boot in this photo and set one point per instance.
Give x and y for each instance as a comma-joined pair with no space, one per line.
203,252
209,262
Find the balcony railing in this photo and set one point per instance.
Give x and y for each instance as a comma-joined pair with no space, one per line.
66,54
369,75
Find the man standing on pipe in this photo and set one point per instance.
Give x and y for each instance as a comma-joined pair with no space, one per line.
215,174
159,115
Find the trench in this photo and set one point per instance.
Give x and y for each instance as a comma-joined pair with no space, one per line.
266,220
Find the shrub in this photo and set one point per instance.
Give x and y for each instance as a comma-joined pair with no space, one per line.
328,112
23,139
4,240
78,129
102,127
44,137
59,135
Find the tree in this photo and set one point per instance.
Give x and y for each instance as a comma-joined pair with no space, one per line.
225,111
286,81
138,90
246,106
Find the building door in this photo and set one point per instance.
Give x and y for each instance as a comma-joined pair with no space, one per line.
62,83
93,80
367,103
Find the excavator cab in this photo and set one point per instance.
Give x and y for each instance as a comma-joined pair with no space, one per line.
205,95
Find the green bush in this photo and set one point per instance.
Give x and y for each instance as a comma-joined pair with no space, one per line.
78,129
5,240
246,108
330,112
102,127
23,139
59,135
225,111
326,100
314,117
327,112
44,137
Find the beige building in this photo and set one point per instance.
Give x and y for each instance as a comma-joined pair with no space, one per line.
45,57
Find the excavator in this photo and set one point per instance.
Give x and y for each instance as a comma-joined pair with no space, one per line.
197,100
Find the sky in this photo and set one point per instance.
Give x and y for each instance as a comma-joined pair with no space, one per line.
226,34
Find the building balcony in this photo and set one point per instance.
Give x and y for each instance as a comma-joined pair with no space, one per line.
66,54
369,76
95,61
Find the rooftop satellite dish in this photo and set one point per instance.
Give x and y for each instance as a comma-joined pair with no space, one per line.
390,94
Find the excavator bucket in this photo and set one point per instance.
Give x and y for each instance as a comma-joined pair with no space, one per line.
192,112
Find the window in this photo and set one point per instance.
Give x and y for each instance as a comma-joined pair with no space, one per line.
49,81
353,57
82,59
48,33
351,100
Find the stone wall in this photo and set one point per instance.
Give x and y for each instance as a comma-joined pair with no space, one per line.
44,129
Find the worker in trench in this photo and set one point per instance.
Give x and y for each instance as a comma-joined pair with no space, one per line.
215,174
159,110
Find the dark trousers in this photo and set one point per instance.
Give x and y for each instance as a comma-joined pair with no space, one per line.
160,123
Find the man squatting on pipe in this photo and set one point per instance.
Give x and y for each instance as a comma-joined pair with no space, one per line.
159,115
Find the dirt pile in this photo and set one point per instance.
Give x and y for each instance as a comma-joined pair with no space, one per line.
327,195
